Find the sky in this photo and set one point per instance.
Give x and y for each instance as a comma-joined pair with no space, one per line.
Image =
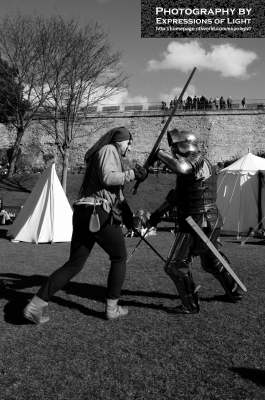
160,67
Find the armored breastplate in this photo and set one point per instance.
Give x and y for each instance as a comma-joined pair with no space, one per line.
196,195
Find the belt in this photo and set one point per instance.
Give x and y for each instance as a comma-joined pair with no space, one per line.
206,208
90,201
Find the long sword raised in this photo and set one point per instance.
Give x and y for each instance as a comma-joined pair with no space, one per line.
149,160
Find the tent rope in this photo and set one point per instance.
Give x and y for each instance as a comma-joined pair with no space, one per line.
243,242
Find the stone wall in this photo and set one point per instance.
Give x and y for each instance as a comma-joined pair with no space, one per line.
223,135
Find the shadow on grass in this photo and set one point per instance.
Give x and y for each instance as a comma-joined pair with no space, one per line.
12,284
10,287
3,233
19,183
252,374
222,298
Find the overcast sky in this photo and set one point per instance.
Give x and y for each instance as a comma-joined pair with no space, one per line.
159,68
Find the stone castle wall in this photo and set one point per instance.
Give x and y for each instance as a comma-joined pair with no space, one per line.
223,135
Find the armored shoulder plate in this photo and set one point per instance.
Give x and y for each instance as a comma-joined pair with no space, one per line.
182,165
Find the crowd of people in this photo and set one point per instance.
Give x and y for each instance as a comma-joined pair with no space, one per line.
201,103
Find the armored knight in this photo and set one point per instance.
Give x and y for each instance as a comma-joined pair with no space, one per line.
195,196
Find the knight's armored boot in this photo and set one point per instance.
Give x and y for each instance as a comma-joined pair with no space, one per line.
113,311
229,285
182,309
188,295
33,311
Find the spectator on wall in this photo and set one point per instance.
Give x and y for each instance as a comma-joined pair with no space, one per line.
229,102
243,102
164,105
180,104
222,103
202,102
194,103
189,102
216,102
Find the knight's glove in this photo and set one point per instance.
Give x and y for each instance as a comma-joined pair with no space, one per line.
140,173
155,157
154,219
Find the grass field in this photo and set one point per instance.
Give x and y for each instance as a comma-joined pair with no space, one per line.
150,193
217,354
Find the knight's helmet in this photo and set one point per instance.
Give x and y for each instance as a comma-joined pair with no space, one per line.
182,141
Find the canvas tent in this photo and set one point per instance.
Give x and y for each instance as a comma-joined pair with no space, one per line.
241,195
46,217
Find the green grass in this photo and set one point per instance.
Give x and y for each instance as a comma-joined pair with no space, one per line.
217,354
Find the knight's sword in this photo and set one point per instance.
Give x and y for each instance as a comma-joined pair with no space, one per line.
140,241
207,241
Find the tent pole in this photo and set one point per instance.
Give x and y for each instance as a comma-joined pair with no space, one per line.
260,226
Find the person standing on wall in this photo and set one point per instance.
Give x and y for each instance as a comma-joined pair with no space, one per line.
97,219
229,102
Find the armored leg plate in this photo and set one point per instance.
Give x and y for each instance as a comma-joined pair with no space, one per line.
177,268
230,286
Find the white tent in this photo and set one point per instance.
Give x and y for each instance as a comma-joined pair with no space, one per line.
241,195
47,215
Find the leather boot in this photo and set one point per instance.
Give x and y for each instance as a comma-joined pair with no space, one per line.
33,311
113,311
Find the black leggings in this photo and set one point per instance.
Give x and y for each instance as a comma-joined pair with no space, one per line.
110,238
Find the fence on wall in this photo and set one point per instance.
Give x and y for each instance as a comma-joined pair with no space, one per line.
251,104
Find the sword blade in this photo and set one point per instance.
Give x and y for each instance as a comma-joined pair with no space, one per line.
151,247
206,240
140,241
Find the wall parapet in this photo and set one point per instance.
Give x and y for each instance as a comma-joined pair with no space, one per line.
160,113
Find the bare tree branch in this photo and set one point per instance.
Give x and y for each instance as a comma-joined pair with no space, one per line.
62,69
22,48
84,72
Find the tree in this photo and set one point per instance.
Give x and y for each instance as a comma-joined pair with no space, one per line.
8,91
84,71
24,70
